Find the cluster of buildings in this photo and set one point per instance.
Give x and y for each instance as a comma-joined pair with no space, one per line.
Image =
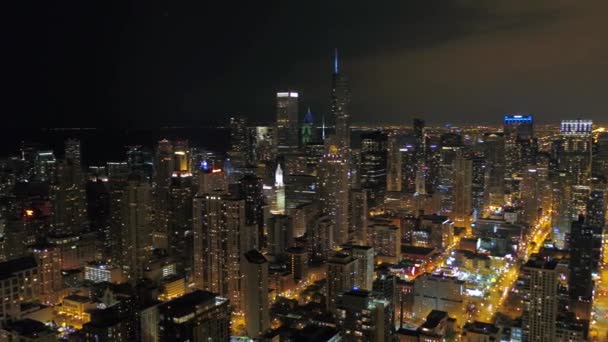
310,230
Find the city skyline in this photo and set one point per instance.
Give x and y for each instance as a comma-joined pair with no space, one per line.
127,214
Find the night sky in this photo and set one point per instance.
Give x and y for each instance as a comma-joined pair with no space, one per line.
151,63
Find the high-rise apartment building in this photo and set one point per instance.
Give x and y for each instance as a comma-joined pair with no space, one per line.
341,277
255,293
540,280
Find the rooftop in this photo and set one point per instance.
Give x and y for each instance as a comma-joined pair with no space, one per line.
433,319
255,257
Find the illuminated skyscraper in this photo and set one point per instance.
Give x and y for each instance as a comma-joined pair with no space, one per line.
137,219
393,177
287,120
68,192
462,190
494,155
540,280
576,150
240,151
517,130
340,99
221,236
307,128
373,165
334,194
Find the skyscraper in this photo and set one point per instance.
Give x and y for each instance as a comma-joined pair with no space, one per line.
576,150
287,120
373,165
517,129
240,151
255,293
221,236
540,298
341,277
137,218
340,99
334,193
307,128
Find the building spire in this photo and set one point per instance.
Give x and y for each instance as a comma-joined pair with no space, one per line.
336,61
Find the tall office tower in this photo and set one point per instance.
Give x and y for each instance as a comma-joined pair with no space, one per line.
255,293
280,234
298,263
264,143
365,268
164,165
136,235
409,166
451,148
212,180
220,237
532,189
239,141
358,216
462,191
494,154
287,120
99,211
478,184
251,190
517,129
277,206
580,281
341,277
418,125
540,280
373,166
599,167
180,221
68,192
365,316
48,259
182,162
596,219
140,161
334,193
393,172
307,130
432,164
340,115
45,166
117,183
576,150
196,316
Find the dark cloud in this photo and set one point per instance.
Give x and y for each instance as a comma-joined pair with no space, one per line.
161,62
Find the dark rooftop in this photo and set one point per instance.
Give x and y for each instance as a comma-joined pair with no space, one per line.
186,304
16,265
255,257
409,249
433,319
28,327
481,328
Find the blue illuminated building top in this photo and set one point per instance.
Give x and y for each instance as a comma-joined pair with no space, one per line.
518,119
